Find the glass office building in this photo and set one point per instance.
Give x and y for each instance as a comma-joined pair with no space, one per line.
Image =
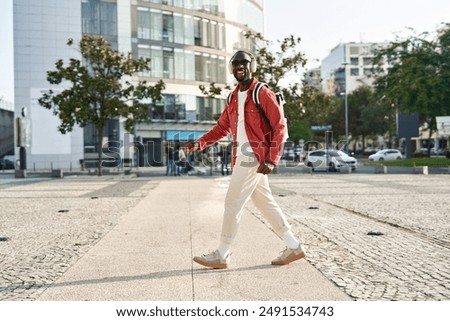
189,43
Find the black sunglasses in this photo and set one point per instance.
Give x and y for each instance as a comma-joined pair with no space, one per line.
236,63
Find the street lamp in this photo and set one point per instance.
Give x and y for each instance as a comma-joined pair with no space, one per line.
346,106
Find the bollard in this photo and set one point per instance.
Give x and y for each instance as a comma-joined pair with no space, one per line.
420,170
58,173
381,170
20,173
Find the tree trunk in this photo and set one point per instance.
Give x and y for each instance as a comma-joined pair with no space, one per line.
100,149
430,135
363,143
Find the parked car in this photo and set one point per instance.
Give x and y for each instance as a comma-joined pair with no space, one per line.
6,164
386,155
331,160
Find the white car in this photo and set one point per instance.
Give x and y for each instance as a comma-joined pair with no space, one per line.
331,160
386,155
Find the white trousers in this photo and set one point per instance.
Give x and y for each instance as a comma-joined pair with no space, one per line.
245,184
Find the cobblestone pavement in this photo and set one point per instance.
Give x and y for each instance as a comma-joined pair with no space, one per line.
334,214
52,223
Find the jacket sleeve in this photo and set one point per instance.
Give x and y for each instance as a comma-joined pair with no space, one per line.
275,115
220,130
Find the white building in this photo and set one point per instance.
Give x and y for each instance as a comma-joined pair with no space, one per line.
189,42
348,66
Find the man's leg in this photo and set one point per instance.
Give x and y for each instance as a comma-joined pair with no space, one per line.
269,208
243,182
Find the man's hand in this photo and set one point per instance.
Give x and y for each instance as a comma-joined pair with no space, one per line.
192,147
265,168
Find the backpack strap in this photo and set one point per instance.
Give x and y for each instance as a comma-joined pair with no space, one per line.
229,97
255,96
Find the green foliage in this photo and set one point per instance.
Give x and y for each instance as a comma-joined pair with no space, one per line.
419,78
100,87
411,162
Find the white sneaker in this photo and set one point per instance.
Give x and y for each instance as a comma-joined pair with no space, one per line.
213,260
289,255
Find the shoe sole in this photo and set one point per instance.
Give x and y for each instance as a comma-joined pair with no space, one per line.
211,265
290,259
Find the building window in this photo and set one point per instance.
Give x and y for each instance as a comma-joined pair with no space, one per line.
354,61
110,132
354,72
167,27
206,33
354,50
100,18
157,61
197,31
368,72
220,36
189,63
178,25
189,33
367,61
198,66
168,63
221,67
170,107
209,108
179,62
156,25
144,52
143,22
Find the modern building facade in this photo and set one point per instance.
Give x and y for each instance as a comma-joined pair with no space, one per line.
6,128
188,41
348,66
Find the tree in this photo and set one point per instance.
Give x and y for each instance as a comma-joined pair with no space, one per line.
99,89
418,80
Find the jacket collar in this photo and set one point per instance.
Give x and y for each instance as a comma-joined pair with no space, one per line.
250,89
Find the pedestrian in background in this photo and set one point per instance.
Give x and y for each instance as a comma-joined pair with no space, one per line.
170,166
225,154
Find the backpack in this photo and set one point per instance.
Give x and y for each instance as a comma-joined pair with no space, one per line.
280,99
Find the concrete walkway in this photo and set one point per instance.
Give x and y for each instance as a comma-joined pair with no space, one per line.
148,255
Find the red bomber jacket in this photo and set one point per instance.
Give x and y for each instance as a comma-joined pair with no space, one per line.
265,143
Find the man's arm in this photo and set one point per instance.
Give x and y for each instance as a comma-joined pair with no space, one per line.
220,130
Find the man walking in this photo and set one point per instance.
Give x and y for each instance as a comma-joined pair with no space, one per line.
256,150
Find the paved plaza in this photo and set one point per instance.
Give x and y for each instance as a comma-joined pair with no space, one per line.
368,237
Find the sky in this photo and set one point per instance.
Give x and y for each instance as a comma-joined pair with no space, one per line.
321,24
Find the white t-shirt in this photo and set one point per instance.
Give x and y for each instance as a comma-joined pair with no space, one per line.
242,138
